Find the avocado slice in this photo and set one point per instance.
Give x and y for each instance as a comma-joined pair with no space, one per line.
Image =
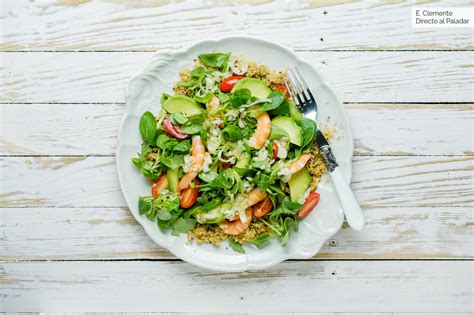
299,184
172,177
294,111
241,167
214,216
257,87
182,104
290,126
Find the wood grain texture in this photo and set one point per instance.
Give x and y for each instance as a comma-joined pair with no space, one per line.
377,181
113,233
378,129
356,76
151,25
396,286
70,207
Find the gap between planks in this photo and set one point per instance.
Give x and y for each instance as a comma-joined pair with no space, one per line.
126,207
113,155
407,103
315,259
295,50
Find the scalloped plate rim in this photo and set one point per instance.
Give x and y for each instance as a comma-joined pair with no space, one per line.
249,265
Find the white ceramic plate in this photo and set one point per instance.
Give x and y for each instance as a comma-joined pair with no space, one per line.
143,94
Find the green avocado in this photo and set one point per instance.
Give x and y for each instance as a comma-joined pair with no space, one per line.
257,87
241,167
214,216
290,126
182,104
294,111
172,177
299,184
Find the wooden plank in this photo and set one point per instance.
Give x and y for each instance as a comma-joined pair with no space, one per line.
113,233
424,181
426,76
378,129
412,129
150,25
65,129
391,286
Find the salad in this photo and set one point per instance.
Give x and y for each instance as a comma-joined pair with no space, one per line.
230,156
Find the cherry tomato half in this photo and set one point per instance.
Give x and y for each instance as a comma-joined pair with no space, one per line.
309,205
189,195
228,83
172,129
283,89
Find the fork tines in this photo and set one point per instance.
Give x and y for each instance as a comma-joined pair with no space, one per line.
299,90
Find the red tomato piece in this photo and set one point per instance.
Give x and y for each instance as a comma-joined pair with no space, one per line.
189,195
283,89
228,83
309,205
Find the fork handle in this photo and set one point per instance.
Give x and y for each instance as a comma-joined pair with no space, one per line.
354,215
350,206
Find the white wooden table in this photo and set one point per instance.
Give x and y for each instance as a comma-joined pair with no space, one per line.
68,241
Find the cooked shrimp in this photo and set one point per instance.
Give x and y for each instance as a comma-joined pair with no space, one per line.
236,217
298,164
263,207
197,154
214,103
236,227
264,127
255,196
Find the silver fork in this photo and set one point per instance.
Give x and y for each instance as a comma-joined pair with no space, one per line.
301,94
